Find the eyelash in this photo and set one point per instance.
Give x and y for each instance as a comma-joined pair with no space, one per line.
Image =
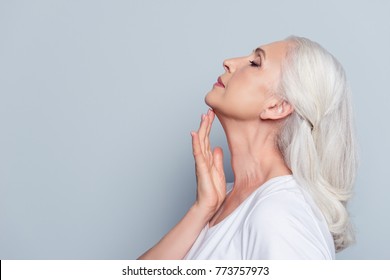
254,64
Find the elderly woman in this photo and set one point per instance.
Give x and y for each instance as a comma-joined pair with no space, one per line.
286,112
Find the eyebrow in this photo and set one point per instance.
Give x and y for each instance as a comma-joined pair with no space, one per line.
259,51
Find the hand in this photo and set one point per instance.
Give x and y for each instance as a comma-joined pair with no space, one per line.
211,183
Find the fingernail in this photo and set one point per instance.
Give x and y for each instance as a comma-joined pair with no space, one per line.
203,116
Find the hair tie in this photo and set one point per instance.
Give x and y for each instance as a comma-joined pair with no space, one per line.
306,120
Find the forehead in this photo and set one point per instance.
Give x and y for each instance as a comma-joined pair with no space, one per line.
276,50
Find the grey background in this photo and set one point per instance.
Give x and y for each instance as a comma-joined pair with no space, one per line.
98,98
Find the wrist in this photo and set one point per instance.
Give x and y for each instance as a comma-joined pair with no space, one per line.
202,213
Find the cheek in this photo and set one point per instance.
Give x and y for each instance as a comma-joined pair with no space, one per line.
249,96
247,90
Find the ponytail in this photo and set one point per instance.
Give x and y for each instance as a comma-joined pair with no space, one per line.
317,140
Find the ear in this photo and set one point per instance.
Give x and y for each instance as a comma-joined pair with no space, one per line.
276,109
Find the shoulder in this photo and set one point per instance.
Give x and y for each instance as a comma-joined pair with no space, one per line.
283,224
278,204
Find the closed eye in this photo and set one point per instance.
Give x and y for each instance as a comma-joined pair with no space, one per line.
254,64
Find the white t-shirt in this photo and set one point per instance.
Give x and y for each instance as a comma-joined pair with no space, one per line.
279,220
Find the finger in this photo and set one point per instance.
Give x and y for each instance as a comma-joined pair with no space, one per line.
202,131
201,167
196,150
195,144
218,161
210,115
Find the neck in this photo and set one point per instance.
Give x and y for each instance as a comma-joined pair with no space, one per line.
255,157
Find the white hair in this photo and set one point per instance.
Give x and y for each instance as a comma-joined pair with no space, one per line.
317,140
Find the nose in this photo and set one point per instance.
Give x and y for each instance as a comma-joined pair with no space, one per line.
228,65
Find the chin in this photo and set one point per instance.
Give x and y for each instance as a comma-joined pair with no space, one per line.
209,100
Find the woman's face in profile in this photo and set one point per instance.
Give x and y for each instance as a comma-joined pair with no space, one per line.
247,82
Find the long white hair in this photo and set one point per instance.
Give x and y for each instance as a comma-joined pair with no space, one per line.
317,140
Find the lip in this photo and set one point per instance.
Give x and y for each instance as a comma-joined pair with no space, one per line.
219,83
